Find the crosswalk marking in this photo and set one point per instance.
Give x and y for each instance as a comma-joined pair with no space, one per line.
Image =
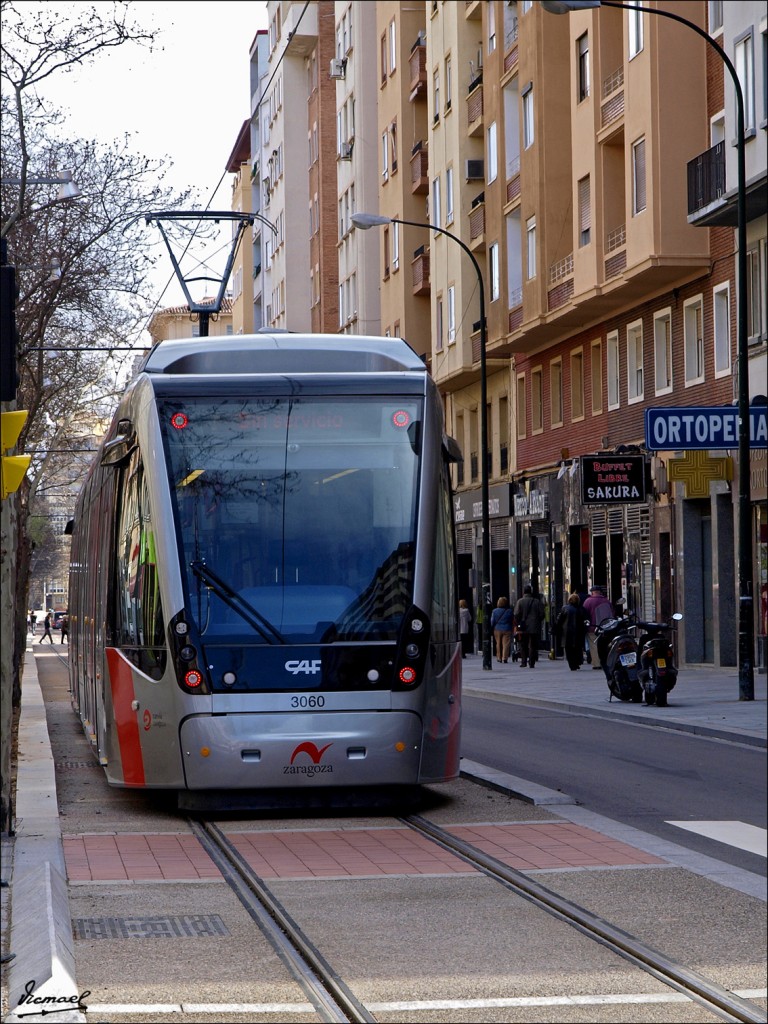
734,833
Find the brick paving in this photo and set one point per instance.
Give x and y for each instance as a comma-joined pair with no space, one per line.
343,853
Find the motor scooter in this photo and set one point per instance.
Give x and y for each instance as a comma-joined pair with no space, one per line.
617,650
658,673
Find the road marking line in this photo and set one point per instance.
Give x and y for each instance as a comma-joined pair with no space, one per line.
137,1010
733,833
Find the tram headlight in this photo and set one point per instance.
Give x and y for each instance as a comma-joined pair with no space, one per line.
408,675
181,628
412,650
193,678
417,625
229,678
187,653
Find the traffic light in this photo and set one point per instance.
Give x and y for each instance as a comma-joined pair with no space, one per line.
9,379
13,466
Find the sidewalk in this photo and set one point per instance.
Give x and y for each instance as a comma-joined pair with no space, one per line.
705,700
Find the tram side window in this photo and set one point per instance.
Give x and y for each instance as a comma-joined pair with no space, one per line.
444,601
138,610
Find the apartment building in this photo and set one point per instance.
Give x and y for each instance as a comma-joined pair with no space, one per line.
241,275
559,152
262,228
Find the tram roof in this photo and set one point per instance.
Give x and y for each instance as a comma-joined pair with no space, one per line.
280,352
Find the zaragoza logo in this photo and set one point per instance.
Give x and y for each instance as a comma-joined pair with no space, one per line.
314,754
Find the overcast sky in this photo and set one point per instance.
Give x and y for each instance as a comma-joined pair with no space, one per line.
187,99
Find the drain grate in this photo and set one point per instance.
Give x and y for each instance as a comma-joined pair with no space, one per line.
67,766
197,926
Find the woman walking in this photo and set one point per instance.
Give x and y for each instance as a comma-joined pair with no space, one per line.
501,623
46,629
465,628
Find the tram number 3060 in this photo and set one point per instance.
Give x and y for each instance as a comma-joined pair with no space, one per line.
307,702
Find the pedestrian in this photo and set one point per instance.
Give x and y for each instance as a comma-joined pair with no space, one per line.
33,623
465,628
64,627
502,624
46,629
597,608
571,627
529,615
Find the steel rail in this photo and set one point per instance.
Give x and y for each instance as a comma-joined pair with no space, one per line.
724,1003
325,990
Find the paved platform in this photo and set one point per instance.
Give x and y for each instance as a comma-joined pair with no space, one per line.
705,702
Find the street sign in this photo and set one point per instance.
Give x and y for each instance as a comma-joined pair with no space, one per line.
702,427
612,479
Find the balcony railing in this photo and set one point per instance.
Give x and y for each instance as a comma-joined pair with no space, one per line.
420,271
616,239
706,178
419,169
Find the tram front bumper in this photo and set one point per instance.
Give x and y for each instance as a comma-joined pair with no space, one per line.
251,751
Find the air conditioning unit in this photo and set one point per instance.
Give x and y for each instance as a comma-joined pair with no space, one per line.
475,170
345,150
338,67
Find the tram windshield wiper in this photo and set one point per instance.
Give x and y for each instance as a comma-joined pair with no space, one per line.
237,603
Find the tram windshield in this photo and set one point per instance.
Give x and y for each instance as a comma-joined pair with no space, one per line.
296,515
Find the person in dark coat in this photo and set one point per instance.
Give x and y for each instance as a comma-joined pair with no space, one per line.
502,624
47,629
529,615
572,627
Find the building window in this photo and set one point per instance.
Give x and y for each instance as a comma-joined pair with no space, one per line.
392,46
395,246
439,327
451,314
597,377
715,16
393,146
635,386
756,288
436,95
436,204
635,29
556,392
744,59
585,215
530,247
582,54
721,301
491,9
537,401
662,351
492,154
503,434
577,385
448,84
528,116
613,370
638,177
521,417
449,195
493,267
384,59
693,329
385,156
386,253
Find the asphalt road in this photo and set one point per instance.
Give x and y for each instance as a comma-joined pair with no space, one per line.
640,777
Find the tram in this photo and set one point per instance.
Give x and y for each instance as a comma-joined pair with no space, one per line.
262,585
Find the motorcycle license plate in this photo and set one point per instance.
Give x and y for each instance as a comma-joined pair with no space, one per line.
661,662
628,659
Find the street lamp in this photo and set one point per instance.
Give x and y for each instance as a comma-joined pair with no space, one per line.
67,187
746,613
369,220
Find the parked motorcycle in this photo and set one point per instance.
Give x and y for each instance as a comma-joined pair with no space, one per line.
618,652
658,673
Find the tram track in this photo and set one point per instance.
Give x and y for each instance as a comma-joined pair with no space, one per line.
335,1002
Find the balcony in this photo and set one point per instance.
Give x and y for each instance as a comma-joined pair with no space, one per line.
612,103
561,283
420,271
418,66
419,169
616,252
706,179
475,106
477,223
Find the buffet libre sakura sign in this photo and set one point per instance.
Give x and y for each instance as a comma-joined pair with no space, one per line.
612,479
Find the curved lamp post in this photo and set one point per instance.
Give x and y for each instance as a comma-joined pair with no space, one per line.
746,614
369,220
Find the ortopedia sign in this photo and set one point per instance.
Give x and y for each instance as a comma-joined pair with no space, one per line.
702,427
